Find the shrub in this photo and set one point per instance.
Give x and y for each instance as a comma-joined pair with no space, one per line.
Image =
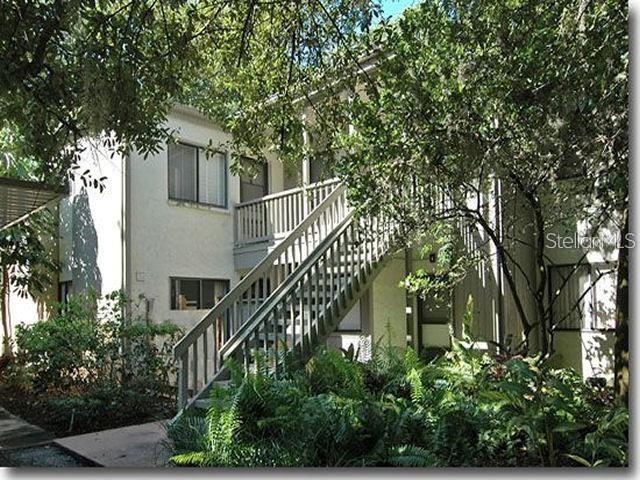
65,350
462,409
96,362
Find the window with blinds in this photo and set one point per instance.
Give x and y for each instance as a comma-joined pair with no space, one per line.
197,176
583,296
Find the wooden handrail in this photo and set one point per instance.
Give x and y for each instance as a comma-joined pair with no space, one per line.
256,273
281,292
291,191
268,217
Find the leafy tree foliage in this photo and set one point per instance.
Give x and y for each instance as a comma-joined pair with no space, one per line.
27,262
94,363
72,69
27,253
519,101
516,92
75,69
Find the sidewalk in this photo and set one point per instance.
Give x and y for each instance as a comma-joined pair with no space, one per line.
15,432
137,446
26,445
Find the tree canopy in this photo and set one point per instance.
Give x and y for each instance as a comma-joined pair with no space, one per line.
457,95
75,68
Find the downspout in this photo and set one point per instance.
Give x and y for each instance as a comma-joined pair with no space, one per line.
125,260
125,222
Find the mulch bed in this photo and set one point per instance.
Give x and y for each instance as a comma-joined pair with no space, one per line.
37,409
47,455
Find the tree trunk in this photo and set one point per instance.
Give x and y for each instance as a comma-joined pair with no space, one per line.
541,275
7,352
621,350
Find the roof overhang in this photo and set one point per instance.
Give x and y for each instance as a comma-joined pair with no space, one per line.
21,198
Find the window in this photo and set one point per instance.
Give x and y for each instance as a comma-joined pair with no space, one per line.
197,176
64,291
254,183
317,170
431,312
586,297
197,293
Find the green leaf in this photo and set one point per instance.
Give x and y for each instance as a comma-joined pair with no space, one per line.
569,427
578,459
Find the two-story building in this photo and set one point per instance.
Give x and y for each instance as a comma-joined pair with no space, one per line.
276,260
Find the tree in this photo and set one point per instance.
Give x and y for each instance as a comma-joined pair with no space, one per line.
27,264
71,69
74,69
501,98
27,254
520,101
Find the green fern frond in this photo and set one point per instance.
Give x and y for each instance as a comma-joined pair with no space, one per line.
467,322
417,387
188,434
236,371
195,459
411,359
411,456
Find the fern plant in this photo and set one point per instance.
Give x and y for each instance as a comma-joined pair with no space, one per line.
462,409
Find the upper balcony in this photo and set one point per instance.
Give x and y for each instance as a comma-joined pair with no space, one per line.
260,224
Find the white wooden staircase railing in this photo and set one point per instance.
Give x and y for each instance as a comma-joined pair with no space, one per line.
291,300
277,214
199,351
306,308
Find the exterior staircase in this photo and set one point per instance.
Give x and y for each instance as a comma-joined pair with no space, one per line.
294,297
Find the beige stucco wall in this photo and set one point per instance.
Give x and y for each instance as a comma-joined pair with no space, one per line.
89,241
588,352
92,225
175,239
161,238
388,302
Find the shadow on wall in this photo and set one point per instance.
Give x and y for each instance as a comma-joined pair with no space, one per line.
84,253
598,347
480,282
599,356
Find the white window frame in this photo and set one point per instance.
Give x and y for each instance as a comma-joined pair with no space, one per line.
197,201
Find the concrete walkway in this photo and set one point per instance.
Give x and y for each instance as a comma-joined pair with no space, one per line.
137,446
15,432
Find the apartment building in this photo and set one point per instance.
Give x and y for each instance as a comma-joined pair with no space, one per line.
276,261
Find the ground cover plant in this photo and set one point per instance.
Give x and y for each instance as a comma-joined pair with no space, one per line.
93,364
461,409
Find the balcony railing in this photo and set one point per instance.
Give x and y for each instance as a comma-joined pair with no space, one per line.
277,214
